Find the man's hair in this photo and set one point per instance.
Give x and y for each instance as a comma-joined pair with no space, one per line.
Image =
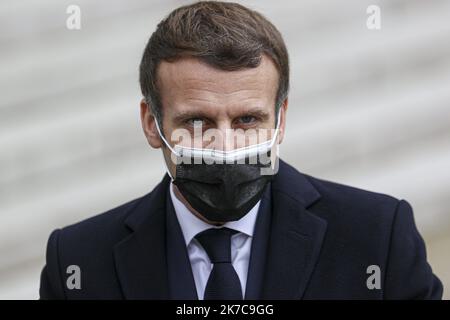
225,35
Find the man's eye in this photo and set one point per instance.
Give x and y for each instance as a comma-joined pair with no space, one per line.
247,119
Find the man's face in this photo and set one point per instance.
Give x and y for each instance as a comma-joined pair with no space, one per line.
195,94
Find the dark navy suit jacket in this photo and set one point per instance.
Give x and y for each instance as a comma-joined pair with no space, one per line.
313,240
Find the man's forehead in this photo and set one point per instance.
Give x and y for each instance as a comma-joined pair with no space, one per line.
193,73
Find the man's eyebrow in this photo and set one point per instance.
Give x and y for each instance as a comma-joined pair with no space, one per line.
184,115
256,112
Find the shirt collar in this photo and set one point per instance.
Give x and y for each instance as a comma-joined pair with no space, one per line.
192,225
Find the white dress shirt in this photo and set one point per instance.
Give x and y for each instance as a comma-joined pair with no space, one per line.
241,243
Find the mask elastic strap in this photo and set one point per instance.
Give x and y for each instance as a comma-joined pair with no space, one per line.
164,139
167,169
168,146
277,129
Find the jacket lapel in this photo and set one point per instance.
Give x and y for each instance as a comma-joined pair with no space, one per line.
296,236
141,257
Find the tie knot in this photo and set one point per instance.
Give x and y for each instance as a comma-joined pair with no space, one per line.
217,244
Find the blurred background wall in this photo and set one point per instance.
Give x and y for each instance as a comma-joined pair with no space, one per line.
369,108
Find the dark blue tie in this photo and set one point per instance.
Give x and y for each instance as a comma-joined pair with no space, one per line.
223,282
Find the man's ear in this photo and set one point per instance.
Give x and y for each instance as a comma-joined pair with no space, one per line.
149,126
283,110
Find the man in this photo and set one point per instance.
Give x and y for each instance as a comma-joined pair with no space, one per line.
226,227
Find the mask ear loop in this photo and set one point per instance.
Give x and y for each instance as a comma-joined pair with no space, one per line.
164,139
270,171
168,146
277,130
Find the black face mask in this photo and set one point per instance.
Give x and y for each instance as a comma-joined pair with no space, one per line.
222,192
223,186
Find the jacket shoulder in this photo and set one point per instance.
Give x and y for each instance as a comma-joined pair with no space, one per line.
358,219
98,227
91,241
347,201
